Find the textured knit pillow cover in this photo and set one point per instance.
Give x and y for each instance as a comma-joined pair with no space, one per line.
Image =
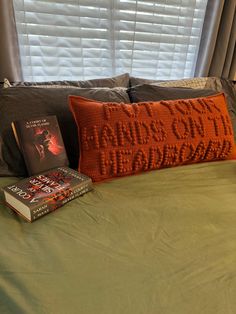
123,139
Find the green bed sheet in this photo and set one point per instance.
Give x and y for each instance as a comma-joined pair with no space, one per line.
162,242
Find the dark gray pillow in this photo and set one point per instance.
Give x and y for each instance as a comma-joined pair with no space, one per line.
150,92
111,82
27,102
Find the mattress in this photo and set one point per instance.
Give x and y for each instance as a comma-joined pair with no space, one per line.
159,242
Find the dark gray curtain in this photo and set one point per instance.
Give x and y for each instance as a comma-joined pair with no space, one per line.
9,50
217,52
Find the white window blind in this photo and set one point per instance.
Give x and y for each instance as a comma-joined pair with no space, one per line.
83,39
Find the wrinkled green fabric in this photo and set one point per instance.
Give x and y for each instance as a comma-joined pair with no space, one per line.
160,242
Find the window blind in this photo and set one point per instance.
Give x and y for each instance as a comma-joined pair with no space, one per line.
84,39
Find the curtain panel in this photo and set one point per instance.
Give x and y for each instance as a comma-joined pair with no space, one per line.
217,52
10,66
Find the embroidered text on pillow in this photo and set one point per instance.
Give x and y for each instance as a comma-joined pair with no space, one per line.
120,139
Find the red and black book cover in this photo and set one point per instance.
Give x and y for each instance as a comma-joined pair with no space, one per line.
40,194
41,143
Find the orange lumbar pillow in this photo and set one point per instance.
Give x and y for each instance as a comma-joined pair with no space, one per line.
124,139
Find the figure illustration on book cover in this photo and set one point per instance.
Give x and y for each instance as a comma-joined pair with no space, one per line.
46,144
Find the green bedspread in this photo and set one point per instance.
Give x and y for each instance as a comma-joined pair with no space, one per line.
162,242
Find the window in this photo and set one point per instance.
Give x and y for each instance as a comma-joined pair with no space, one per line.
84,39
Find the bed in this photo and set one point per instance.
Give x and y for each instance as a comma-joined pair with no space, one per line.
159,242
162,241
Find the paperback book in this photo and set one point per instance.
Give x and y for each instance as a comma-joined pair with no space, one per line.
41,194
41,143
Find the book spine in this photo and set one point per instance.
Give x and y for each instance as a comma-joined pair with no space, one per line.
43,209
18,133
15,131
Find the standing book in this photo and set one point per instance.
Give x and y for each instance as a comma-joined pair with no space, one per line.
41,194
41,143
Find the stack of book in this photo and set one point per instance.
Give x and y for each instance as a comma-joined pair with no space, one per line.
51,183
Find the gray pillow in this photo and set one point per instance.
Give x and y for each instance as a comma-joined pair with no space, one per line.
27,102
151,92
111,82
133,81
193,82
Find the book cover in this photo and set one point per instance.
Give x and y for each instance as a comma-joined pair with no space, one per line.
41,143
40,194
